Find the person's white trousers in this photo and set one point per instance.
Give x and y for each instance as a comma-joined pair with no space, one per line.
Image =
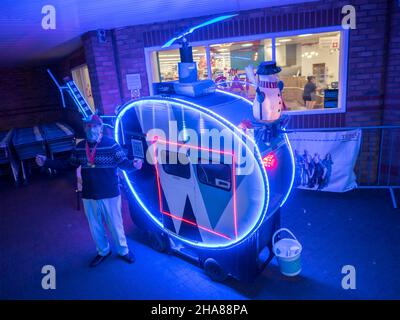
108,211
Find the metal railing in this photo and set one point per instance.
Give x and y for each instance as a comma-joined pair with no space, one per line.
378,161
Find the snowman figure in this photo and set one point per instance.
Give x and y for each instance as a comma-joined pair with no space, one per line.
268,103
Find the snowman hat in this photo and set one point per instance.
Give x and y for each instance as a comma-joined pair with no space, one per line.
267,68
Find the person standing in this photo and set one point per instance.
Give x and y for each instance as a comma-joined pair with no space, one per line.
309,93
99,157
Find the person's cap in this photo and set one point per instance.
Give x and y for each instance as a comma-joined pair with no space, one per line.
93,120
268,67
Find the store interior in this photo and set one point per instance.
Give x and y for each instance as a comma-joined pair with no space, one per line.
299,56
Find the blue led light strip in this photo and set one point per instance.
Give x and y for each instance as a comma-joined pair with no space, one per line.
227,125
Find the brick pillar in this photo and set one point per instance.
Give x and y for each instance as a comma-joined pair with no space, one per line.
366,80
392,81
103,72
391,151
367,53
129,50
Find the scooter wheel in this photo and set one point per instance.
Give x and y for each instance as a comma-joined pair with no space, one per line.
158,241
214,270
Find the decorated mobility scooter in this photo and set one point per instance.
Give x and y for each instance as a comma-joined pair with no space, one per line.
217,169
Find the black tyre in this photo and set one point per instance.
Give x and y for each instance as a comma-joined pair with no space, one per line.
158,241
214,270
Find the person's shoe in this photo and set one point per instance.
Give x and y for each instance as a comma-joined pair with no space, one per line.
99,259
129,257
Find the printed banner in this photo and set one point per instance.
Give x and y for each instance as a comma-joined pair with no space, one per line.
325,160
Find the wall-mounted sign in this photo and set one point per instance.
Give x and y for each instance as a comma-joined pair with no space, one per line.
331,97
133,81
329,42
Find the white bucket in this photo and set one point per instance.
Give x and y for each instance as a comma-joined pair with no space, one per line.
288,253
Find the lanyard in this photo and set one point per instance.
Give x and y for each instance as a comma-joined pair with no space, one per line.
90,155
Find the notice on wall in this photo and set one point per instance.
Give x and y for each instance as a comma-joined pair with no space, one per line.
328,42
325,160
134,84
133,81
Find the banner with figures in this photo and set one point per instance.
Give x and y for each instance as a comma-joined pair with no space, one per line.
325,160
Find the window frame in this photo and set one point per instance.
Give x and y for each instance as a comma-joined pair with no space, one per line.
343,60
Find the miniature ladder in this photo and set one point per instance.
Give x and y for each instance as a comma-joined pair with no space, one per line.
75,94
79,100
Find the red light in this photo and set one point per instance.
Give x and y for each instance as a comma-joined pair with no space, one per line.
270,161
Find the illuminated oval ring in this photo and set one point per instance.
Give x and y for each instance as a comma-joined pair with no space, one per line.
225,123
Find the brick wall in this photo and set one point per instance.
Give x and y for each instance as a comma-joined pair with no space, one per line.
392,80
104,76
63,67
130,51
27,97
391,141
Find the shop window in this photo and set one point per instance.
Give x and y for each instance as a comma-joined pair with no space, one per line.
215,174
314,66
166,64
229,60
80,75
310,70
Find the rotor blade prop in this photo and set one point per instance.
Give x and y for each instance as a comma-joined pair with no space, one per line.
170,42
201,25
215,20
